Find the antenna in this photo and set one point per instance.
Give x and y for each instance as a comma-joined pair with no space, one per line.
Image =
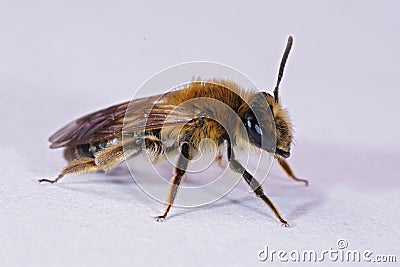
282,67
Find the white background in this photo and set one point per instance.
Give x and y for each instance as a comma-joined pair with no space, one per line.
62,59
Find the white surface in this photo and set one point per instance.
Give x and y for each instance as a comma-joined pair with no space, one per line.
60,60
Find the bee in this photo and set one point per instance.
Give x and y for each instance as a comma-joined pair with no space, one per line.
106,138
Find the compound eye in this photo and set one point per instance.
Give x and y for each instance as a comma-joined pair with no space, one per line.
254,130
253,125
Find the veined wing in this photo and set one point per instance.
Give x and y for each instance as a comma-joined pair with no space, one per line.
142,114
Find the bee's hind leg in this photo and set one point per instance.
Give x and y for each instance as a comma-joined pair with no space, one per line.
179,170
104,159
285,166
80,166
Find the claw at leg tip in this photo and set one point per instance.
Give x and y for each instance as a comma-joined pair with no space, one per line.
159,218
45,180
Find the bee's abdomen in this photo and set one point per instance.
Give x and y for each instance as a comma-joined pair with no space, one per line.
87,150
77,152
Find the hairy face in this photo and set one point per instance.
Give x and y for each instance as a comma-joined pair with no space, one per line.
283,126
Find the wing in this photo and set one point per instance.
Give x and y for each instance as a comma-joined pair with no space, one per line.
144,113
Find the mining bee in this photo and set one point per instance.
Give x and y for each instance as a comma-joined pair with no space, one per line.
106,138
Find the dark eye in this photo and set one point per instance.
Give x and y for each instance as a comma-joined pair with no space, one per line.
254,130
253,125
258,135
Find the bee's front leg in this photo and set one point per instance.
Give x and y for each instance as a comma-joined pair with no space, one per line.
253,183
179,170
285,166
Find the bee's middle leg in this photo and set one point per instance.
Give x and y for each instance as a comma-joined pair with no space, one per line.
179,170
253,183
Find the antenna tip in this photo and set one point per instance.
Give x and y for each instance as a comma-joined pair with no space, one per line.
290,39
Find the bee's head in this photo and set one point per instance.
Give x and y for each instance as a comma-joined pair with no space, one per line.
267,124
260,128
283,126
